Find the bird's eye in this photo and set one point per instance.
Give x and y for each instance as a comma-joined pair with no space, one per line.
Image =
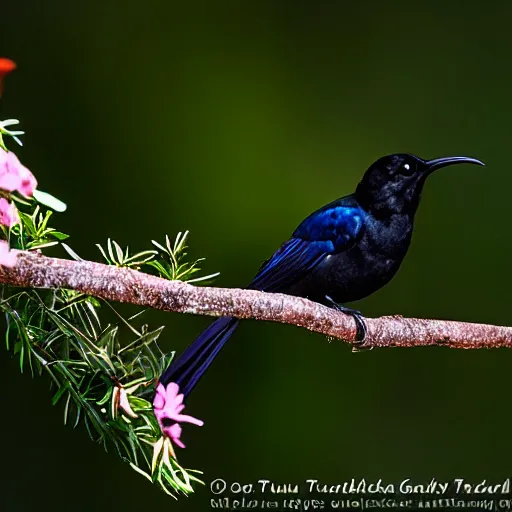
406,169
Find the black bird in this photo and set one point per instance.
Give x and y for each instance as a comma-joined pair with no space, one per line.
343,252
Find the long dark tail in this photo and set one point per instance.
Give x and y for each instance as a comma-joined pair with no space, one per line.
187,369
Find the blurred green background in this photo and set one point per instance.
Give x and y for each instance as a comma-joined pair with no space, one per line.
235,120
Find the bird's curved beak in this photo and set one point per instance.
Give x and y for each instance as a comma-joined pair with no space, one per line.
437,163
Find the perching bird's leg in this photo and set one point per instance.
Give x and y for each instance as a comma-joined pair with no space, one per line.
361,328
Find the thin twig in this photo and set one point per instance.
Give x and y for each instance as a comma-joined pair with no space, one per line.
109,282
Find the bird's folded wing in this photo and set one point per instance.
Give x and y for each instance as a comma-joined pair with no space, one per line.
330,230
341,225
290,263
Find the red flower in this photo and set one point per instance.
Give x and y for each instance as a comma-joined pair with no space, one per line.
6,66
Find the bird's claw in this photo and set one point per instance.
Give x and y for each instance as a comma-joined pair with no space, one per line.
359,343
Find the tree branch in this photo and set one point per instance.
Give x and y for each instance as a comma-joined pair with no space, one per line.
109,282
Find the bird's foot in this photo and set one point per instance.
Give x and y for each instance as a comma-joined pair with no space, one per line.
361,328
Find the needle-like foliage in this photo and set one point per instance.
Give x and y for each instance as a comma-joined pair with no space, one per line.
103,373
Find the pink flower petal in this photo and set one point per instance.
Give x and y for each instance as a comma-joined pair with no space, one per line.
8,213
28,182
159,400
9,182
174,433
14,176
172,390
167,406
7,257
184,418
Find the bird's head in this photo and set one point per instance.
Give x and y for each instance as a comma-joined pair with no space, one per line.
393,183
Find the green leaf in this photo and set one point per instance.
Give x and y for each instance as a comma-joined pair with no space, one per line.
110,251
72,253
103,253
28,224
41,246
58,235
204,278
119,252
42,222
146,339
60,392
49,200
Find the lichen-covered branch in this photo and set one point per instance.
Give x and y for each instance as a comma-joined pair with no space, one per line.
33,270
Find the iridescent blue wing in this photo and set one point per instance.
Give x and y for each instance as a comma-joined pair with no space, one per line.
289,264
336,223
330,230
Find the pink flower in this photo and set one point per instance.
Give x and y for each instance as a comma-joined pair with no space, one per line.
8,213
7,257
14,175
167,406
